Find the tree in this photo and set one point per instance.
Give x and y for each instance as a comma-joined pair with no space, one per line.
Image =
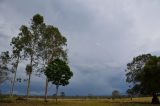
30,37
63,94
143,74
130,93
51,46
150,78
115,94
4,68
59,73
17,46
135,67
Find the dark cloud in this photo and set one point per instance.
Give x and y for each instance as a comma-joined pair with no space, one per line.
103,36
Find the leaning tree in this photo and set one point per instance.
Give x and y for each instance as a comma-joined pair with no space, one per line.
58,72
143,75
17,47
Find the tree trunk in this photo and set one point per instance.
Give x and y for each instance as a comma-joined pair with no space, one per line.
131,97
57,86
11,89
46,85
30,72
46,90
14,79
13,83
28,86
155,99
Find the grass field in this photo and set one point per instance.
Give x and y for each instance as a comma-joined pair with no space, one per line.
79,102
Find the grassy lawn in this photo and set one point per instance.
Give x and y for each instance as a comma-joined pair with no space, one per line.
82,102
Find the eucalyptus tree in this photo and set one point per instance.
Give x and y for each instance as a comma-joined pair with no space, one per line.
17,46
4,66
51,46
31,36
58,72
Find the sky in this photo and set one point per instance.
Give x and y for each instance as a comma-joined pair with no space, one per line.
102,37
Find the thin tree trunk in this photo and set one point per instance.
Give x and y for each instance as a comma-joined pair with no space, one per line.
155,99
46,89
14,79
57,86
13,83
131,97
28,86
46,86
10,89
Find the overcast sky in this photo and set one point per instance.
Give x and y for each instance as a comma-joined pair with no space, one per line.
103,36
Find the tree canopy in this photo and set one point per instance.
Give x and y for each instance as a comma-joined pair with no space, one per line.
143,75
58,72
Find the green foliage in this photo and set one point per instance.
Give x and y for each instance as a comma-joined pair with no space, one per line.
51,45
39,44
143,73
26,45
150,77
58,72
37,19
4,66
135,67
28,69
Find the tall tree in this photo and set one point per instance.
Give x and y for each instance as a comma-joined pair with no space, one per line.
143,74
17,46
59,73
31,36
51,46
4,67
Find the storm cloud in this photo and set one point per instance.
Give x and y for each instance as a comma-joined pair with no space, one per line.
103,36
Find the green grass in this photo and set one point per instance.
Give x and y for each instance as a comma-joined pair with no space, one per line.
79,102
